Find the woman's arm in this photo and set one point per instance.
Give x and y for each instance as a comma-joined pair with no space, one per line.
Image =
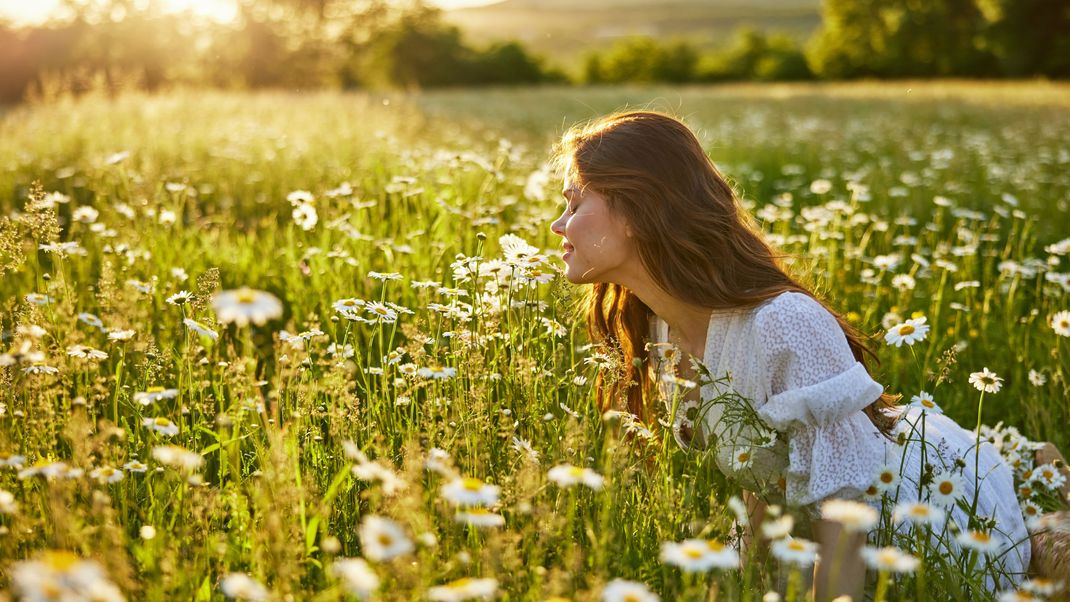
840,569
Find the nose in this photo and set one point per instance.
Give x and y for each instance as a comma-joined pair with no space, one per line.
558,226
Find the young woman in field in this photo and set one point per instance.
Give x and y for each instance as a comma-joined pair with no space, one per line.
675,263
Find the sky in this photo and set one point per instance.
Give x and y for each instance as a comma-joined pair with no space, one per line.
36,11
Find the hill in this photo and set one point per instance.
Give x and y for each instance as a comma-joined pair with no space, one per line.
564,29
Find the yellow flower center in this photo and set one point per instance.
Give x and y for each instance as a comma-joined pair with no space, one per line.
906,329
693,553
245,296
459,583
385,539
714,546
981,537
154,390
575,471
472,484
163,422
796,546
60,560
927,403
946,488
887,477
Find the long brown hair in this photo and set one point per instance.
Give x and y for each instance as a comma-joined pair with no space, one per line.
692,235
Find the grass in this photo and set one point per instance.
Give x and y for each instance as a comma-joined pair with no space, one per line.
191,191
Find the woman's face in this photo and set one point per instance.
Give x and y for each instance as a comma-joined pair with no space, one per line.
598,243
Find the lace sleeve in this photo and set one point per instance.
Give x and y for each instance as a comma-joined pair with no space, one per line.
816,391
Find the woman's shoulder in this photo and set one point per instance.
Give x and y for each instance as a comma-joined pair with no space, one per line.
789,307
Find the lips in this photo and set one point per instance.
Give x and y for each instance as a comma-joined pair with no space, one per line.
568,248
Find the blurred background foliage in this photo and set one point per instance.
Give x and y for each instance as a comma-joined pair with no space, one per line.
302,44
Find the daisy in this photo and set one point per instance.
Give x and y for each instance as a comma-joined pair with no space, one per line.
465,588
1049,476
39,368
121,335
986,382
1060,323
1041,586
180,298
437,372
83,352
982,541
1037,379
800,552
1031,511
244,305
91,320
383,539
161,425
567,475
154,394
61,575
384,277
8,505
135,466
622,590
697,555
240,586
889,560
381,311
348,306
946,489
742,459
357,577
1021,595
305,216
909,332
479,517
178,457
299,197
779,528
887,479
924,400
919,513
470,491
855,517
107,474
38,298
200,329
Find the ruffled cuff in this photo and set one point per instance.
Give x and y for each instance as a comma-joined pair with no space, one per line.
823,403
837,460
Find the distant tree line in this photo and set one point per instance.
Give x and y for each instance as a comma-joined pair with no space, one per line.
117,44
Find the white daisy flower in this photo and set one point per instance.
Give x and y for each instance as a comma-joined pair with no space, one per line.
567,475
200,328
437,372
925,401
1041,586
384,277
177,457
479,517
87,353
470,491
299,197
383,539
919,513
121,334
887,479
180,298
792,550
742,459
240,586
982,541
154,394
357,576
622,590
1031,511
946,489
91,320
305,216
466,588
909,332
778,528
244,305
855,517
1060,323
698,555
889,560
1049,476
161,425
985,381
61,575
135,466
8,504
38,298
1021,595
1037,379
107,474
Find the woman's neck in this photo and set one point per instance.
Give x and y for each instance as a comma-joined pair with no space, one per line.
689,323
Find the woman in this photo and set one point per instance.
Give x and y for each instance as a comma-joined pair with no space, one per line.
675,263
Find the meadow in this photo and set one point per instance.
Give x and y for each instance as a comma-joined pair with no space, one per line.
317,346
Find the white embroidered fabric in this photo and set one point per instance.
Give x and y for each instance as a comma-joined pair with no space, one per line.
790,360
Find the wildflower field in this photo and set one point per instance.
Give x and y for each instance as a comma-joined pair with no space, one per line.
317,346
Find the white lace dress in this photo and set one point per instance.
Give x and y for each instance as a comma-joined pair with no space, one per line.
791,366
